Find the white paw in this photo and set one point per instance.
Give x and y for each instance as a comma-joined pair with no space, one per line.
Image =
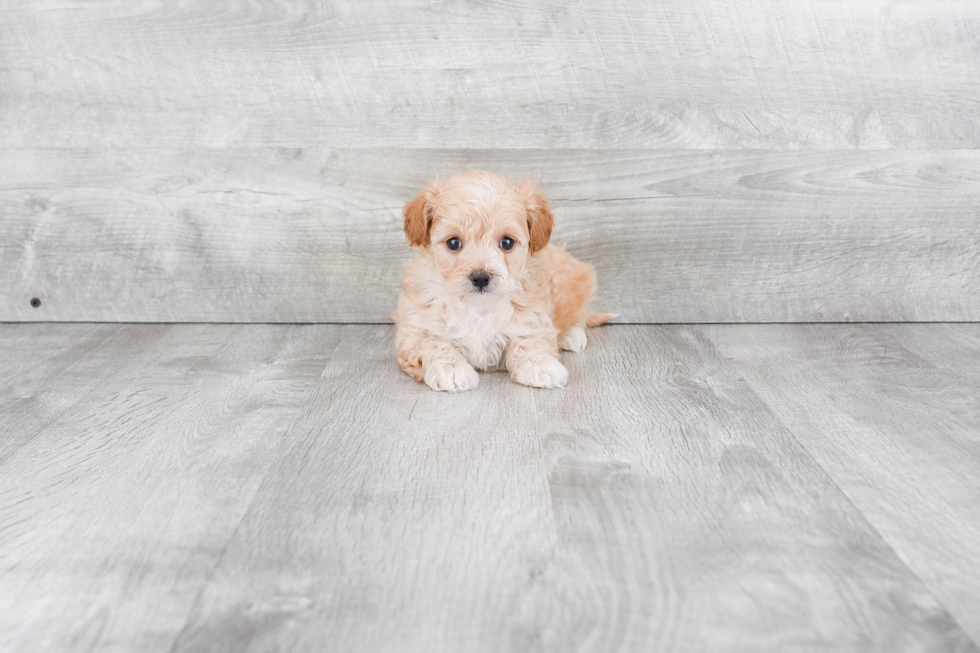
451,375
541,372
574,339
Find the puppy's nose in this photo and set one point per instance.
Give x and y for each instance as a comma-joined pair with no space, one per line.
480,279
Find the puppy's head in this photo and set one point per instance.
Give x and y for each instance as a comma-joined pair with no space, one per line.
479,230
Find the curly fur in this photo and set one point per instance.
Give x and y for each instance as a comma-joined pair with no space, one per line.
536,301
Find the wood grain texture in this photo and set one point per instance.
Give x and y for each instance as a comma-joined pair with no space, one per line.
708,74
267,487
235,161
656,504
891,412
51,368
309,235
114,514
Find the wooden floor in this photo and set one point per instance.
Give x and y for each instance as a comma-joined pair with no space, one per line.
258,488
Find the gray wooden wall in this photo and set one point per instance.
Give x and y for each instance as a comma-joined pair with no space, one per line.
717,160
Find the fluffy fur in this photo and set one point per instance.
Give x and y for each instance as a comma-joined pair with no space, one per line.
536,301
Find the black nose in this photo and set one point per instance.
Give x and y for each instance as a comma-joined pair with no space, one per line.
480,279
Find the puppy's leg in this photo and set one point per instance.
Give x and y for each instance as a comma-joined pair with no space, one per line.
440,365
532,360
447,370
573,339
572,284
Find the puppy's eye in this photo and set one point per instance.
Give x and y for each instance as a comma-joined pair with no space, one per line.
507,243
454,243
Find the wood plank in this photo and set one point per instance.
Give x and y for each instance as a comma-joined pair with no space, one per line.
952,348
890,411
506,73
49,368
113,517
655,504
306,235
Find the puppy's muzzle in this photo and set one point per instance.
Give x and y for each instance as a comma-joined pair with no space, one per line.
480,280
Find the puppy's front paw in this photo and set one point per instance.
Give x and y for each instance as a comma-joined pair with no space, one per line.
541,372
573,339
451,375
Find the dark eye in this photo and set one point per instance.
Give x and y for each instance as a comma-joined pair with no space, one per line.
454,243
507,243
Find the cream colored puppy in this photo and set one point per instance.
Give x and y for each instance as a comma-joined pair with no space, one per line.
485,289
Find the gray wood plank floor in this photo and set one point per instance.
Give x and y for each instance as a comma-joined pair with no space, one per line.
259,487
892,412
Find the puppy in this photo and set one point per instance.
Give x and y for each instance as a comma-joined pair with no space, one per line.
485,289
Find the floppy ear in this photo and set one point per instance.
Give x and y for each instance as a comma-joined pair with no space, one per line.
418,216
540,221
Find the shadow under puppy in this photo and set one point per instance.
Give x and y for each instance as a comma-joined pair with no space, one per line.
485,289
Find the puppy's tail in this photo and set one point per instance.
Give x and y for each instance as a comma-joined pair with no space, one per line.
596,319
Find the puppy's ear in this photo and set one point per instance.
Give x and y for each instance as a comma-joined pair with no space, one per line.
540,221
418,215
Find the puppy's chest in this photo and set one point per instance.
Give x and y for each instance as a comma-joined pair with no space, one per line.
479,332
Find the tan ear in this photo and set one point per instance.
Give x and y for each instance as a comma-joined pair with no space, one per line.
540,221
418,216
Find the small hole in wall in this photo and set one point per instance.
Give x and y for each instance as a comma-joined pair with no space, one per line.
35,302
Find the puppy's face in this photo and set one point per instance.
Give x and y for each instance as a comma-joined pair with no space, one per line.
479,230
